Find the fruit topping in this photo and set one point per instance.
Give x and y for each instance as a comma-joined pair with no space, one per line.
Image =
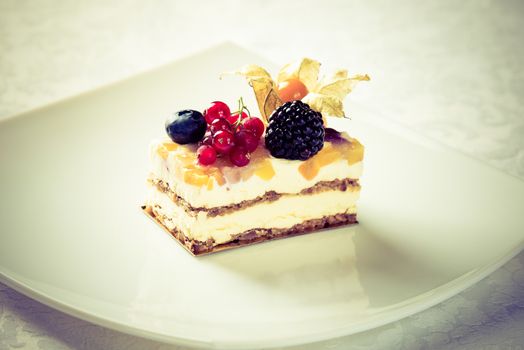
264,88
219,124
164,149
333,136
217,110
187,126
219,134
301,80
206,155
246,140
234,118
239,156
295,131
255,125
207,140
291,89
265,170
349,149
223,141
235,134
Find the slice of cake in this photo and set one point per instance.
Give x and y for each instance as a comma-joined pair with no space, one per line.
226,179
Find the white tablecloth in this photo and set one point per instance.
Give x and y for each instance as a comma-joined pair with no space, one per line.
450,70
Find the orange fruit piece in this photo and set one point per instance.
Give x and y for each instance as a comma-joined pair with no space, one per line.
291,90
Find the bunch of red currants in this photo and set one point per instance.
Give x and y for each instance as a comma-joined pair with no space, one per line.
229,134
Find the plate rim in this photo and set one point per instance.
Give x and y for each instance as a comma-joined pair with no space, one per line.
407,308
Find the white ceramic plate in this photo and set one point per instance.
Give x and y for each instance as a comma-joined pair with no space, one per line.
73,236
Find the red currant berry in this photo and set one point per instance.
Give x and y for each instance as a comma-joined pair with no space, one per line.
233,118
206,155
254,125
219,124
207,140
246,140
216,110
239,156
223,141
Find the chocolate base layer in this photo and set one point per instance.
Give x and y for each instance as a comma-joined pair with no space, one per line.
335,185
252,236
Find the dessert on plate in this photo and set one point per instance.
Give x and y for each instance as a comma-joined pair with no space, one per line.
226,179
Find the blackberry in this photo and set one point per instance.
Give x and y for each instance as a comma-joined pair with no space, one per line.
295,131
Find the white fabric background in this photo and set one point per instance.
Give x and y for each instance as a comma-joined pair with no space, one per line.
451,70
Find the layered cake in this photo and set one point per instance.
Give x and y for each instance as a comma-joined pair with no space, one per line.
223,180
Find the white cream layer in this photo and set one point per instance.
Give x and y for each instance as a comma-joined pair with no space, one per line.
285,212
287,179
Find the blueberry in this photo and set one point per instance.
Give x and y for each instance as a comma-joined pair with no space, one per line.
187,126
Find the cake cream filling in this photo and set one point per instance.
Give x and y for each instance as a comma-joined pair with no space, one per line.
287,179
283,213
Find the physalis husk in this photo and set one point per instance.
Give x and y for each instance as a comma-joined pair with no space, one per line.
324,95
